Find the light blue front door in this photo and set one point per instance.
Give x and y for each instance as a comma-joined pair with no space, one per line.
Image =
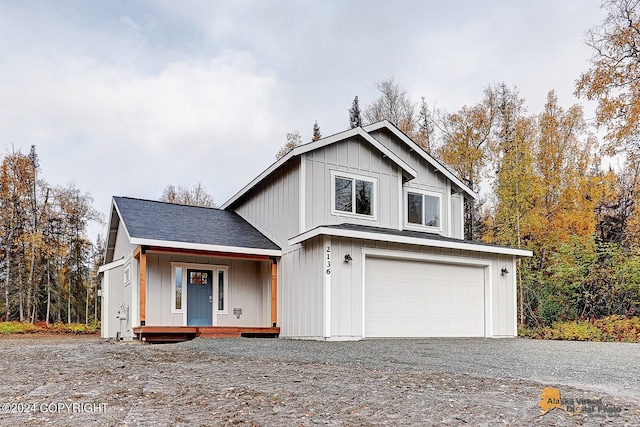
199,298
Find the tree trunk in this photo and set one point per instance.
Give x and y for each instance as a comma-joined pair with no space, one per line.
86,308
31,287
95,304
48,293
69,304
7,276
21,294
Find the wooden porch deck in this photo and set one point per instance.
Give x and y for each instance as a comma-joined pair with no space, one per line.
168,334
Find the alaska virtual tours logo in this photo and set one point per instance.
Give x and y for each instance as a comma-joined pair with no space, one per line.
550,399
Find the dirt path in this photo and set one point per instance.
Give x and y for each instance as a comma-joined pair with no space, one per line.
134,384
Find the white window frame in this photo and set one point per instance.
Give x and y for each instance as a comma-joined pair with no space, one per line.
410,225
354,177
173,289
214,269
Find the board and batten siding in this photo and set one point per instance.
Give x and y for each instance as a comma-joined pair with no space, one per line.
351,156
347,284
272,207
457,216
249,288
301,291
112,296
427,179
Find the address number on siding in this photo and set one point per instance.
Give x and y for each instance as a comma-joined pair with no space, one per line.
328,260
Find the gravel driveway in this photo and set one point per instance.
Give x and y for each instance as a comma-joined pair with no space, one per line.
452,382
610,367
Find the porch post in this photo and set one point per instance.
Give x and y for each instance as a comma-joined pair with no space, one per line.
141,254
274,292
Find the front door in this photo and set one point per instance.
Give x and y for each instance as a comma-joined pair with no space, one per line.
199,298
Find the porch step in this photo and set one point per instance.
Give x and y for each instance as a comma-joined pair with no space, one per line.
237,332
169,334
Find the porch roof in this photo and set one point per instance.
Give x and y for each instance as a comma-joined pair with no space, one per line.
154,223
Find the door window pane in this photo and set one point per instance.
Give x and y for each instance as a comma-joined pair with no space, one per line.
198,277
414,208
364,197
343,194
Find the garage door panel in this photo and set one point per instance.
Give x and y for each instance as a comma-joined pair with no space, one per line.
423,299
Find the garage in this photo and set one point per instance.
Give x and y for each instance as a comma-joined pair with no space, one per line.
412,298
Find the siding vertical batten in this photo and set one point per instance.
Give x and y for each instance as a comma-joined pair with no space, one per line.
364,289
514,288
327,287
449,213
488,300
104,326
400,204
301,190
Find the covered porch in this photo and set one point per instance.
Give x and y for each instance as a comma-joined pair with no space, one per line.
188,293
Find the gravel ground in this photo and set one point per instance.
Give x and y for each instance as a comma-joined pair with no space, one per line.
264,382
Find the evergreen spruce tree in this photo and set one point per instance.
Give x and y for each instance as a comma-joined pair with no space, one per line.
316,132
355,118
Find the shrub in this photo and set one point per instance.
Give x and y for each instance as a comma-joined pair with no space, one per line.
621,328
73,328
18,328
610,328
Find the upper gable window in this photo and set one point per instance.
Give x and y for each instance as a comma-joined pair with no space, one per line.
353,194
424,209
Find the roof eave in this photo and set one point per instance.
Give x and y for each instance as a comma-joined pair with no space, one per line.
110,265
369,235
114,208
206,247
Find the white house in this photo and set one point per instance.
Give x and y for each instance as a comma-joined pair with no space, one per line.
357,235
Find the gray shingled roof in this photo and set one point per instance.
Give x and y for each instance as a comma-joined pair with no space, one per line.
149,219
407,233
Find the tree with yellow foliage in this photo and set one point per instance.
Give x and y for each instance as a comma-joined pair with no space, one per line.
464,141
614,76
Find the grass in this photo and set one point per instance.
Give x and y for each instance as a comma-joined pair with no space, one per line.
41,327
611,328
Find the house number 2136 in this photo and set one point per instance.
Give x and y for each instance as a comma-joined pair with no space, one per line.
328,262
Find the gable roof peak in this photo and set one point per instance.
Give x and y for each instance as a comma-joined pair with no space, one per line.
421,151
315,145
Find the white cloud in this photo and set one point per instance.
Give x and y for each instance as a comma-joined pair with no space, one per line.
126,98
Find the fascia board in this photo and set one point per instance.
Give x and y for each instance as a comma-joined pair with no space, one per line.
114,207
111,265
205,247
408,240
124,224
426,156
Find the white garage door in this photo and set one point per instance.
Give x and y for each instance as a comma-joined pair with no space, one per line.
423,299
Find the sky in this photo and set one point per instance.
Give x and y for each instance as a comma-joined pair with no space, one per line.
126,97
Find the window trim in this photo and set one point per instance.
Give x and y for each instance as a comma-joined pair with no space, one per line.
214,269
422,227
346,175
